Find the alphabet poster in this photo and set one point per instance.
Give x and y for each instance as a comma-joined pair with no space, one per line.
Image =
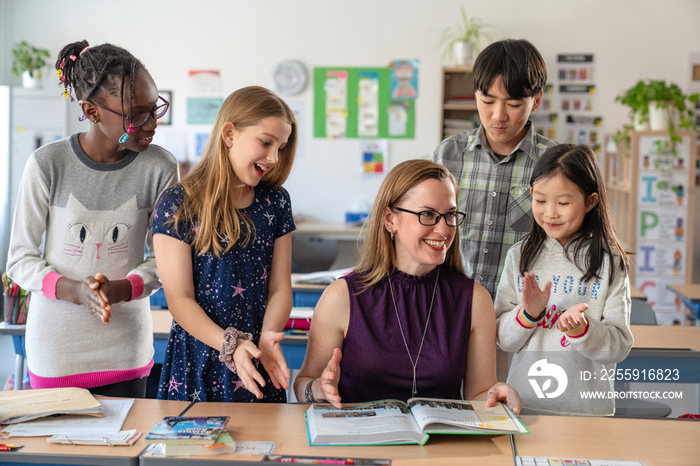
664,197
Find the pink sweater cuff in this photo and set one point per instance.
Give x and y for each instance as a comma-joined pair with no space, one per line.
136,286
48,285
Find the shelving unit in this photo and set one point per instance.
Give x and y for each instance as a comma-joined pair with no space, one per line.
459,111
652,194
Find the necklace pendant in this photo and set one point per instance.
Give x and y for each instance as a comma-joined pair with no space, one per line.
415,393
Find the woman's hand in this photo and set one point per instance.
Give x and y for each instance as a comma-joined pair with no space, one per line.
506,393
273,359
330,378
242,358
573,318
534,299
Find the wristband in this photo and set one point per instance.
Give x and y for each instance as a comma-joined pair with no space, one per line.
231,337
308,392
535,318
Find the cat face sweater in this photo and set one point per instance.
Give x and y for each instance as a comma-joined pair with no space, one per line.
551,369
96,217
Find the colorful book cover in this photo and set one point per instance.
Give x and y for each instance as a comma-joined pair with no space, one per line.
188,430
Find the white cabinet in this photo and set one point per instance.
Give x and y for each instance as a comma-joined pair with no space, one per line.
29,118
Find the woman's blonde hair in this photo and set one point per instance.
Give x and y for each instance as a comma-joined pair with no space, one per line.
209,186
378,255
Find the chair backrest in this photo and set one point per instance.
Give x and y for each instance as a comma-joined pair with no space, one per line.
642,313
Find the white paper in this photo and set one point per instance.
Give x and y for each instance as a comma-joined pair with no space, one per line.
119,438
398,119
114,413
368,107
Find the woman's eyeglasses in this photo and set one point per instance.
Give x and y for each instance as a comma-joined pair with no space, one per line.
431,217
141,118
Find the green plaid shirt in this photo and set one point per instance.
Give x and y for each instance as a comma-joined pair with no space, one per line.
495,195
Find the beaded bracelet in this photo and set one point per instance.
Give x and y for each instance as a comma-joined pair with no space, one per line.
231,337
309,393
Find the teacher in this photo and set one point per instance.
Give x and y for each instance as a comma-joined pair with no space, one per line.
406,321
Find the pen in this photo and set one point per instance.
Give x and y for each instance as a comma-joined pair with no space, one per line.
9,447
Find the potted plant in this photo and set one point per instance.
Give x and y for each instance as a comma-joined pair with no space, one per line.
28,61
464,39
636,99
667,103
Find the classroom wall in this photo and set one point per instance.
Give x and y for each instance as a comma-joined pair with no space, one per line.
244,40
631,39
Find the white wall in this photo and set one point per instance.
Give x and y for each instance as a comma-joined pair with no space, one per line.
244,39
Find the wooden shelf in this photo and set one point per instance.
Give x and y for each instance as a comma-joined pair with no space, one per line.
457,83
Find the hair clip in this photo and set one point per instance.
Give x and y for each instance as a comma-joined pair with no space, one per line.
73,57
82,118
124,137
63,63
131,128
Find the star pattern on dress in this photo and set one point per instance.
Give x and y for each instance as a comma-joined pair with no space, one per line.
174,385
238,384
195,395
192,372
237,290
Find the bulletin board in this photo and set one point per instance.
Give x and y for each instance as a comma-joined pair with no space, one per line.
348,101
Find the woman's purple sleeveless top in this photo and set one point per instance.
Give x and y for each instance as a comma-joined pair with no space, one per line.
375,362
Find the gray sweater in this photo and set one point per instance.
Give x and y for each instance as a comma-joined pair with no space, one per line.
606,341
96,217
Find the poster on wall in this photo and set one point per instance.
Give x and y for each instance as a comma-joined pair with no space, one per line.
663,222
357,103
404,79
374,158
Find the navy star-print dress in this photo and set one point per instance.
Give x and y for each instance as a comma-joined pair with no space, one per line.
232,290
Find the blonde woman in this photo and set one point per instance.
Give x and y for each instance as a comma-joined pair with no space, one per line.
223,236
407,321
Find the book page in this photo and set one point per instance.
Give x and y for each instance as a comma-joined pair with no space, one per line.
436,415
363,423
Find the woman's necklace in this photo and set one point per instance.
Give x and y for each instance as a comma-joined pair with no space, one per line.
430,311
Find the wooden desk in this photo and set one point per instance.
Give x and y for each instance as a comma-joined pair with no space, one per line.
656,442
142,417
284,424
666,337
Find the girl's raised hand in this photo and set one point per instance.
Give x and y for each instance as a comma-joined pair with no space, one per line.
242,357
573,317
330,378
534,299
273,358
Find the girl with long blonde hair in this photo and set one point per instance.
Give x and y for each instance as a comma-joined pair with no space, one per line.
224,241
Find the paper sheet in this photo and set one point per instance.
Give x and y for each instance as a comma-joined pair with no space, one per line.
114,413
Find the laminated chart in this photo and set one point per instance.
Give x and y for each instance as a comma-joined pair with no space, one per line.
336,91
368,104
357,103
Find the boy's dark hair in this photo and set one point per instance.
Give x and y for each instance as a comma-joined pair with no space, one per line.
579,165
96,71
520,66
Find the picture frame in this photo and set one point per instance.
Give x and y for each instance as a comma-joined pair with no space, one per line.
167,118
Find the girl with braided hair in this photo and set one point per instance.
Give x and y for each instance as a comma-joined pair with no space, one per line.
93,196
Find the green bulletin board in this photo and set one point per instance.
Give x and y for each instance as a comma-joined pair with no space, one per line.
385,104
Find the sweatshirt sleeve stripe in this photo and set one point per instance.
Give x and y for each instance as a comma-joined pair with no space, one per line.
578,332
48,285
522,318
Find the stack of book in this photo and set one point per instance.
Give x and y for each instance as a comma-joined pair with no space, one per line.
189,436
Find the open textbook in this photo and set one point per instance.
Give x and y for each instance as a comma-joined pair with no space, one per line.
325,277
396,422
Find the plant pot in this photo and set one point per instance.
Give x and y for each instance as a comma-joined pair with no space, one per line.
639,125
659,117
462,53
29,82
